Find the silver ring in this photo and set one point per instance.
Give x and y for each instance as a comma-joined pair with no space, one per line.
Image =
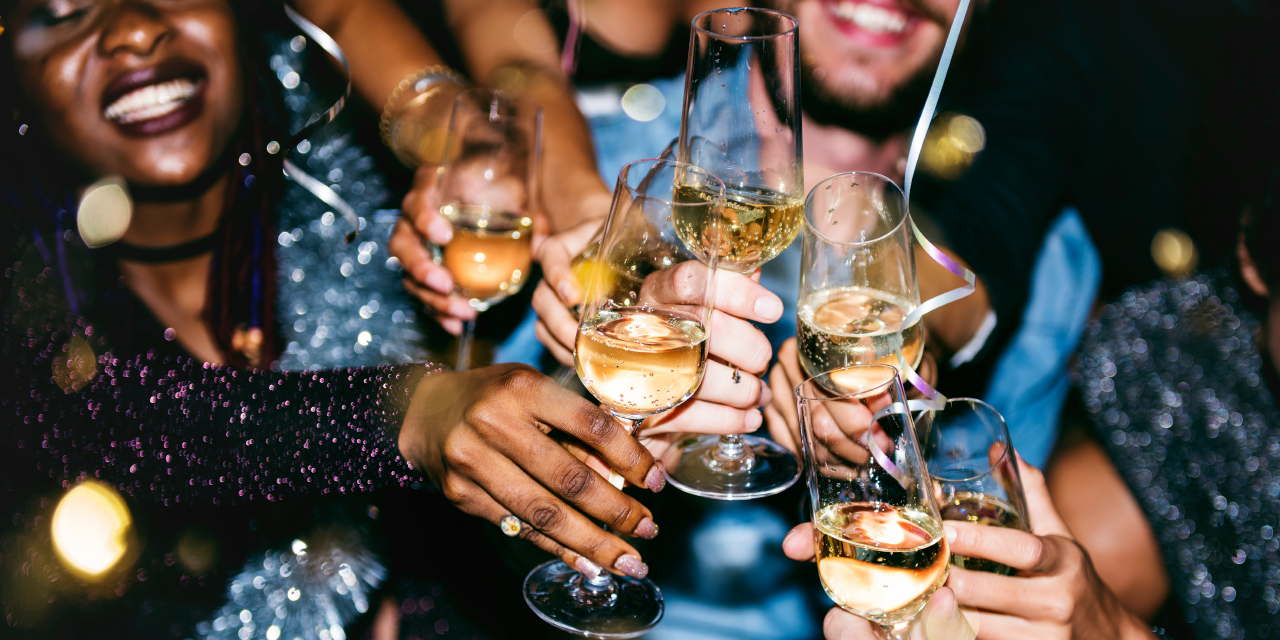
511,526
737,377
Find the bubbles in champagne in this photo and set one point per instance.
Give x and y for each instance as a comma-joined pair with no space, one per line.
490,254
640,362
984,509
844,326
757,224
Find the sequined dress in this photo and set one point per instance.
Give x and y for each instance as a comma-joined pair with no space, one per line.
1183,400
99,390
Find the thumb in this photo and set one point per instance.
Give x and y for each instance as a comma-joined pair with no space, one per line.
557,270
798,545
943,620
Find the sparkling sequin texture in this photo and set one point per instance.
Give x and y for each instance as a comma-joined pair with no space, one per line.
1174,381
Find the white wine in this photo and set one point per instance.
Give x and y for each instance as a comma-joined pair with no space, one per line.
490,254
757,224
640,362
879,561
844,326
980,508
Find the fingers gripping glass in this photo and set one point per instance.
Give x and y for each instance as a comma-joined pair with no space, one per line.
975,474
877,531
487,192
641,350
857,277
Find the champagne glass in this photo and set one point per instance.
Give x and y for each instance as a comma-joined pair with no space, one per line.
641,350
857,277
487,192
741,121
966,445
881,552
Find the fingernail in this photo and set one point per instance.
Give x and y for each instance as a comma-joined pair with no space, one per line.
587,567
766,395
647,529
439,280
452,325
790,534
655,481
754,420
632,566
566,290
950,532
440,231
769,308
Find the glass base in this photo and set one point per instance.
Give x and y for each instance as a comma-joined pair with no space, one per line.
698,466
620,607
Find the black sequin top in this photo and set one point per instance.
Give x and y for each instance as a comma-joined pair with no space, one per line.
1179,394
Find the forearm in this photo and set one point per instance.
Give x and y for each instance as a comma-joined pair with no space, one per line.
381,43
527,63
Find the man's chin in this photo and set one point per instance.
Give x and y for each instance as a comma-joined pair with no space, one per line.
875,113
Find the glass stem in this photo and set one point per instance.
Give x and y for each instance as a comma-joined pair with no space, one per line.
464,346
900,631
732,448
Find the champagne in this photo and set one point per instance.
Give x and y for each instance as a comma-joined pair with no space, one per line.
757,224
983,509
640,362
878,561
490,254
845,326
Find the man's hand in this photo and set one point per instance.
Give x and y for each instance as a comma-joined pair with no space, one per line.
482,437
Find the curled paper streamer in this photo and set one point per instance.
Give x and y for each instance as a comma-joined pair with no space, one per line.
934,400
291,170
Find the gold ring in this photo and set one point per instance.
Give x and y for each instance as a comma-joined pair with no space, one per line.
737,377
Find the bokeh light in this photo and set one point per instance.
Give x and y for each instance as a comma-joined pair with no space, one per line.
105,212
643,102
953,142
1174,252
91,529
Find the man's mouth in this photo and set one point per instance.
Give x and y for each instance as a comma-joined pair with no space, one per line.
151,101
874,18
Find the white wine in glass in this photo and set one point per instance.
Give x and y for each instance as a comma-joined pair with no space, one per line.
487,189
857,277
878,534
641,350
756,225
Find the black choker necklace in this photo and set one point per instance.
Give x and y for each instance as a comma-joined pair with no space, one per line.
156,255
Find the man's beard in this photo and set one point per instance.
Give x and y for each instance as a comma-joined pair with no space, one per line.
879,119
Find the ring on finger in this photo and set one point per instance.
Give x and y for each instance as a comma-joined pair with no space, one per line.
510,526
737,377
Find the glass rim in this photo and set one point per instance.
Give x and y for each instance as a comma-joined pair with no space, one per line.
795,24
1004,455
894,377
636,194
809,199
521,107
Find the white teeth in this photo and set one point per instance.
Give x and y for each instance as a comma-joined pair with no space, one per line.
871,17
151,101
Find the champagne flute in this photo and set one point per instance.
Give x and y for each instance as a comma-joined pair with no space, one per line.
967,447
741,121
641,350
857,277
487,192
881,552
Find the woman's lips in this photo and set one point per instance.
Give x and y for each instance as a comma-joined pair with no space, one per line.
876,23
157,99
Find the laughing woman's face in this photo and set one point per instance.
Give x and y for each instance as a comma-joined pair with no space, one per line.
151,90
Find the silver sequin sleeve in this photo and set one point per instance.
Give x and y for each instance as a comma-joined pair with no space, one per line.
174,430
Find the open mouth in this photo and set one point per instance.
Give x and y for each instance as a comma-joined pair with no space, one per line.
155,99
883,21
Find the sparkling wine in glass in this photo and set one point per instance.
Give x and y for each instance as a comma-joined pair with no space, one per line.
486,189
641,350
881,552
857,277
741,121
966,445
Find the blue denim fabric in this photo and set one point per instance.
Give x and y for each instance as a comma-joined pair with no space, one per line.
1030,381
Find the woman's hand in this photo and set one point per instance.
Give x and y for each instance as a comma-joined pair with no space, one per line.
482,436
941,619
1056,594
420,222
